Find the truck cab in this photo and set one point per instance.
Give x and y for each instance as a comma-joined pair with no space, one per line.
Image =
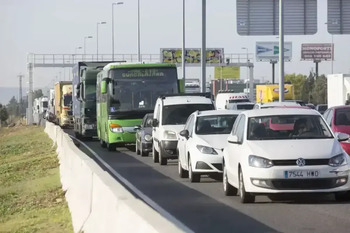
224,98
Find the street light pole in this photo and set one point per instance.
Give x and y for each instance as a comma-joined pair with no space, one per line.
113,4
138,32
183,44
86,37
98,23
281,50
204,50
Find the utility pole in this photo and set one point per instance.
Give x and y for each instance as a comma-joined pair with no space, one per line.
20,76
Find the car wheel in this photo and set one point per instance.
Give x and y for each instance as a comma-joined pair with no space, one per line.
137,148
162,161
342,196
111,146
102,143
245,196
155,155
229,190
182,172
194,178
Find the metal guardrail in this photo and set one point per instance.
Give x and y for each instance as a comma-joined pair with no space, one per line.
70,59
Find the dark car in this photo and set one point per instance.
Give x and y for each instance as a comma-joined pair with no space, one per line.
144,141
321,108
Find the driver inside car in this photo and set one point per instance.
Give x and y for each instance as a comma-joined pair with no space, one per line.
300,127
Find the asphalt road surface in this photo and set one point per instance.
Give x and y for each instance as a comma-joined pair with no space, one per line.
202,207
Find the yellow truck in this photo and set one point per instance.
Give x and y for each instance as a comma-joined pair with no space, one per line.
63,103
270,93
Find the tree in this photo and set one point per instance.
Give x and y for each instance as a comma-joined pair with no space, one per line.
37,93
3,114
319,91
307,94
13,107
298,82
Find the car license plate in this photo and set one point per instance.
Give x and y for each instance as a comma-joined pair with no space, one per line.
301,174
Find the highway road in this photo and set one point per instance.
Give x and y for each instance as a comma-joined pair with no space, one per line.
202,207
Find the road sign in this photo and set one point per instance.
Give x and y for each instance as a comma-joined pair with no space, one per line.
269,51
317,52
174,55
227,72
338,21
261,17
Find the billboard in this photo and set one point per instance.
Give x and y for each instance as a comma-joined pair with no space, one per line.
227,72
174,55
317,52
269,51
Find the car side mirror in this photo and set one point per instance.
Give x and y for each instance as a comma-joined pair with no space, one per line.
184,133
342,136
155,123
233,139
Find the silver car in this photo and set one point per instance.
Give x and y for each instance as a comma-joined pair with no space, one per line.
144,140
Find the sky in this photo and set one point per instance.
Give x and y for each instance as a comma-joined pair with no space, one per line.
59,27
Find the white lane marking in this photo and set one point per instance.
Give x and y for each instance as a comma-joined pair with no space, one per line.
138,192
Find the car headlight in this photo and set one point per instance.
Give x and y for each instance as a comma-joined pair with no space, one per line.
256,161
206,150
148,138
169,135
115,128
337,161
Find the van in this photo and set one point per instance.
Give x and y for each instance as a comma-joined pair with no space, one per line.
170,116
224,98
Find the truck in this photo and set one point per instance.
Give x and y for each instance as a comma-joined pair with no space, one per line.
63,104
43,105
125,94
338,89
50,113
36,115
84,98
224,98
270,93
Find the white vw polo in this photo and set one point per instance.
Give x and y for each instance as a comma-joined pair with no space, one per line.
201,142
284,150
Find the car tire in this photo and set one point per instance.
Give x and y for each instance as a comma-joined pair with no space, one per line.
155,155
102,143
162,161
194,178
244,196
111,146
342,196
229,190
182,172
137,148
144,153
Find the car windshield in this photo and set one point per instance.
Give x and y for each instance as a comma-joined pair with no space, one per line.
178,114
342,116
138,88
219,124
45,104
148,121
67,100
287,127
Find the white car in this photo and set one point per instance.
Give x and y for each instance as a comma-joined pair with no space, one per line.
201,142
284,150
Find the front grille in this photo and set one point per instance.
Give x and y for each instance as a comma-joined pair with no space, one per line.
305,184
202,165
293,162
217,166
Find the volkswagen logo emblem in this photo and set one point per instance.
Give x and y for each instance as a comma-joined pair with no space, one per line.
300,162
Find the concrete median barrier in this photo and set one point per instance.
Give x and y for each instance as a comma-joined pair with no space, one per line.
97,201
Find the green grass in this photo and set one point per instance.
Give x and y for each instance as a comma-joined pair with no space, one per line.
31,197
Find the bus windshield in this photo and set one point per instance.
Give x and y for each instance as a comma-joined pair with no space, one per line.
139,88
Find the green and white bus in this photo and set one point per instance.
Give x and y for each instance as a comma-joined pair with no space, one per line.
125,93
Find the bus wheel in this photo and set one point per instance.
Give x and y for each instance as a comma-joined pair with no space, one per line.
111,146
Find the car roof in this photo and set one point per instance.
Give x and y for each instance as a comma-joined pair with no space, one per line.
341,106
179,100
279,111
218,112
280,104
